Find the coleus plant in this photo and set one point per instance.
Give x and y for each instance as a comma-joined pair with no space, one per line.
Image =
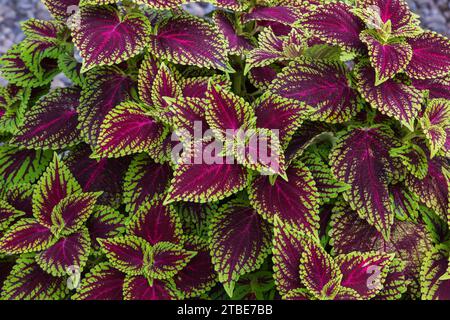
103,195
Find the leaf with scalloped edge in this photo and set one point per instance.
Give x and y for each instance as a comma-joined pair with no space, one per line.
211,180
361,159
164,86
35,49
433,190
294,201
227,111
197,87
27,235
321,84
409,241
167,259
282,14
395,284
387,59
434,267
434,88
105,89
34,28
71,68
15,71
239,242
126,253
195,217
434,121
138,288
392,98
103,282
8,214
287,249
155,222
188,40
71,213
262,77
278,113
128,129
13,106
431,56
318,271
67,252
147,73
55,184
237,43
27,281
144,180
335,24
22,166
365,272
376,13
105,222
52,122
198,276
105,37
405,204
413,158
188,113
62,9
19,197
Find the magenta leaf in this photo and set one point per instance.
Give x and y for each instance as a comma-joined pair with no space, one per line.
240,241
434,286
138,288
283,14
104,223
190,41
320,84
237,44
62,9
105,37
52,122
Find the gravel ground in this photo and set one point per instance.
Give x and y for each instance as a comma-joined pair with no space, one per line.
435,15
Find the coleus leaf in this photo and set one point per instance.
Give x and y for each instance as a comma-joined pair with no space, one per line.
413,158
262,77
187,113
409,241
431,56
138,288
34,28
434,122
206,182
387,59
289,115
126,253
327,185
318,272
364,272
27,281
105,37
395,284
128,129
147,73
104,223
237,44
62,9
8,214
392,98
396,13
155,222
70,214
294,201
197,86
52,122
322,85
164,86
105,89
22,166
282,14
96,175
335,24
434,88
227,111
167,259
433,190
19,197
55,184
25,236
67,252
198,276
433,286
195,217
188,40
404,203
240,241
101,283
71,68
144,180
361,158
288,246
